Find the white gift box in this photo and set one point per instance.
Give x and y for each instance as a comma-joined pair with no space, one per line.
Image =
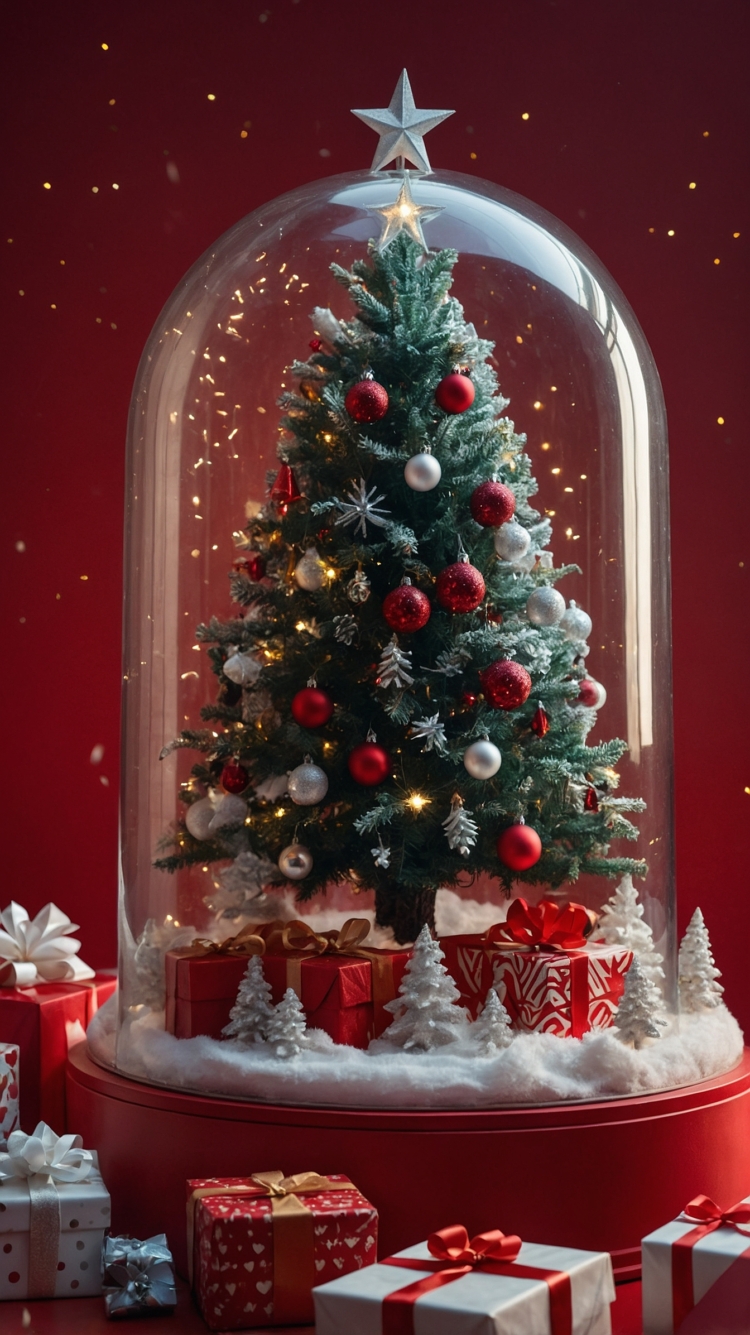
84,1217
9,1055
711,1255
478,1303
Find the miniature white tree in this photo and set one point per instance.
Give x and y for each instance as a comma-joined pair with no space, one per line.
395,666
251,1013
622,924
287,1030
697,972
491,1031
425,1009
639,1012
460,830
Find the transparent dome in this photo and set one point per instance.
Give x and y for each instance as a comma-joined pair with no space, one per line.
582,384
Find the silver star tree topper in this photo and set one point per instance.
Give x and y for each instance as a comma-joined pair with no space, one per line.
401,127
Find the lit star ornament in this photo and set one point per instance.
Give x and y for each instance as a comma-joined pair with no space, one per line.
402,128
403,215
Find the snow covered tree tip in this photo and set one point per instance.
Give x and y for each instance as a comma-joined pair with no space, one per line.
426,1012
696,969
639,1014
287,1029
251,1014
622,924
491,1031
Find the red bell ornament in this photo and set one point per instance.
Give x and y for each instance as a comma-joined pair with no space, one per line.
591,800
367,401
505,684
252,564
312,707
519,847
492,504
234,777
406,609
460,587
540,722
455,393
369,764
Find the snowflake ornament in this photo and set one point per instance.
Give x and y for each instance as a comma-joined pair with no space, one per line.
381,855
432,733
361,509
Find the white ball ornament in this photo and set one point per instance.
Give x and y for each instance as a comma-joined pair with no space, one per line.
512,541
242,669
576,623
309,572
482,759
296,862
545,606
198,818
422,472
308,784
229,810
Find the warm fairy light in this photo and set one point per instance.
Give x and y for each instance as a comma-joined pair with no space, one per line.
300,625
720,420
196,500
567,488
569,533
545,445
327,437
330,573
584,476
280,811
417,801
551,513
524,115
670,232
556,471
538,405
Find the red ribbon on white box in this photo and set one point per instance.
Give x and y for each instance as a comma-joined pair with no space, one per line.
707,1216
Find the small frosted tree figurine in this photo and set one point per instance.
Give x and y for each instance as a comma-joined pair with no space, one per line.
697,972
287,1030
491,1031
639,1012
251,1014
622,924
425,1009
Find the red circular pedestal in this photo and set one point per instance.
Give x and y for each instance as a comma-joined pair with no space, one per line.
592,1175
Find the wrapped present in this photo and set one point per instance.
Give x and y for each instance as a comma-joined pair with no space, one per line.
342,983
9,1064
54,1212
684,1260
548,977
258,1245
494,1284
137,1277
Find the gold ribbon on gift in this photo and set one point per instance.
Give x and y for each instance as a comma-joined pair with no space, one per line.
297,941
44,1235
247,942
293,1235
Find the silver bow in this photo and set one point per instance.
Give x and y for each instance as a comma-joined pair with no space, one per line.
39,950
137,1275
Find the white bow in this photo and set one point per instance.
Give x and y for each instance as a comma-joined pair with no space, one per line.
62,1158
40,951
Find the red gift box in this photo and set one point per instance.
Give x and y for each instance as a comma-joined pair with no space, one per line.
548,978
258,1246
44,1021
341,993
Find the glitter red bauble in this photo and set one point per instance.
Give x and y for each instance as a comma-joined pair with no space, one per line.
519,847
234,777
369,764
406,609
468,701
505,684
367,401
455,393
460,587
316,344
540,722
311,707
492,504
252,564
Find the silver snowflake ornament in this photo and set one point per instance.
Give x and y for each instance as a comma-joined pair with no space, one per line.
361,509
432,732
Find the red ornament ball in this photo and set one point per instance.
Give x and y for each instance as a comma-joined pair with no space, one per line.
519,847
455,393
311,707
369,764
406,609
460,587
234,777
367,401
505,684
592,693
316,344
468,701
492,504
252,564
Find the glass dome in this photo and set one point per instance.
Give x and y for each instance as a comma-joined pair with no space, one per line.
583,387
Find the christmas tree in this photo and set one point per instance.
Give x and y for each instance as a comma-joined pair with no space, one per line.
639,1013
250,1016
491,1031
622,924
425,1009
696,970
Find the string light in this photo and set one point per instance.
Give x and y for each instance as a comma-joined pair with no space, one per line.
416,801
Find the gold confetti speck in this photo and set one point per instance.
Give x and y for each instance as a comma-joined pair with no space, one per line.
670,232
243,134
211,97
524,115
48,185
21,292
735,235
720,420
473,157
195,552
112,101
20,545
538,404
105,46
717,261
692,185
705,134
518,338
95,190
84,576
556,471
545,445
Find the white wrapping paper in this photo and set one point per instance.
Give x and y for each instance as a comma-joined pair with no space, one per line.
711,1256
9,1062
476,1304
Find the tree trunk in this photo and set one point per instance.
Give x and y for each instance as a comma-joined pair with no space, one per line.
406,912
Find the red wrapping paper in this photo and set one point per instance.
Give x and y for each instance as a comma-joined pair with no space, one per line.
233,1258
336,991
44,1021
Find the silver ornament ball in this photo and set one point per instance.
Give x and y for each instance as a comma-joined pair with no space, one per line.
512,541
308,784
229,810
309,572
545,606
576,623
198,818
295,861
422,472
482,759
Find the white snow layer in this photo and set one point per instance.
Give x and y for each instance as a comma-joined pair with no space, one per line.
536,1068
453,916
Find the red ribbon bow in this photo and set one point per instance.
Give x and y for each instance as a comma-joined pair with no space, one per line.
707,1213
708,1216
546,924
455,1256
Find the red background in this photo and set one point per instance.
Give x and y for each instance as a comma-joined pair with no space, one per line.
627,104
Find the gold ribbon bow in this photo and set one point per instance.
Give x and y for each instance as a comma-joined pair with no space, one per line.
293,1235
298,941
247,942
